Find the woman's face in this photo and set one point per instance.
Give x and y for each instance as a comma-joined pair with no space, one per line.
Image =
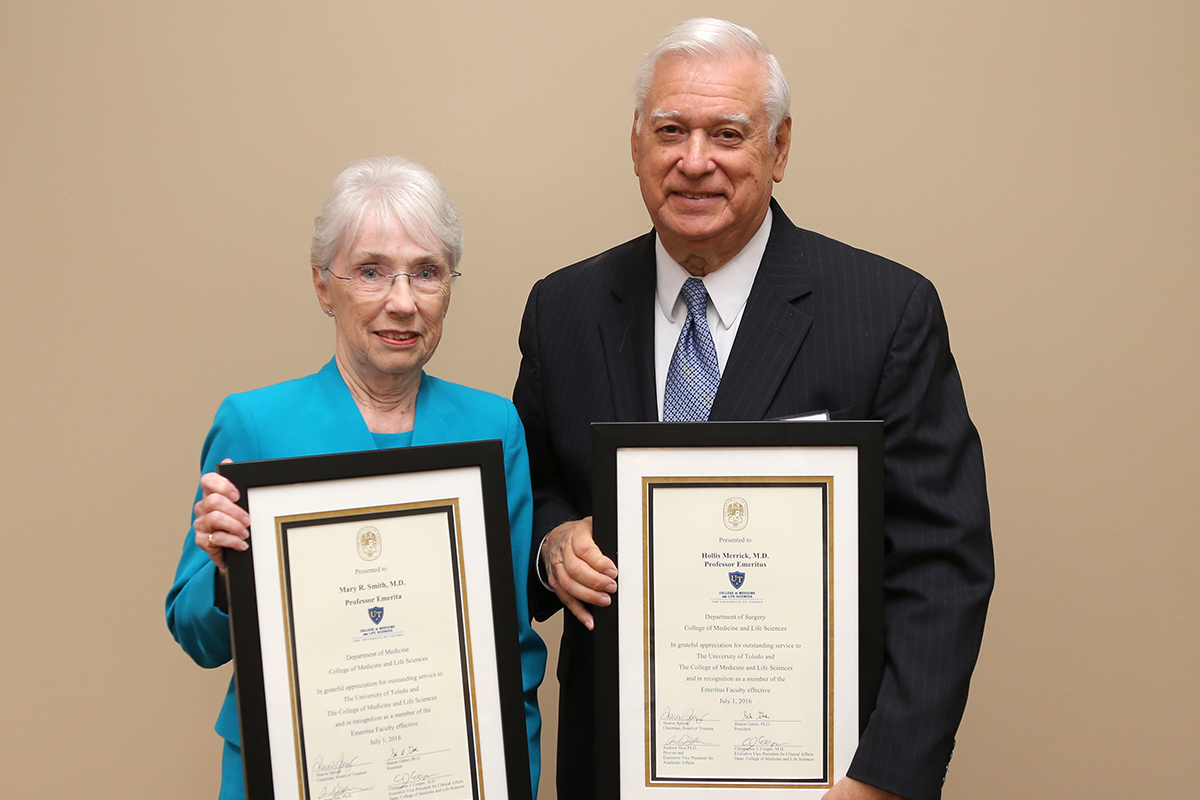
389,334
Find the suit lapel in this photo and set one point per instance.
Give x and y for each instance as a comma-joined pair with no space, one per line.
627,335
772,328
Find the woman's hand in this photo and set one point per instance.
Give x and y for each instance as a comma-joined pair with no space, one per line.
220,522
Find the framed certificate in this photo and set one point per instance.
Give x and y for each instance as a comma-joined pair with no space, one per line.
745,645
374,627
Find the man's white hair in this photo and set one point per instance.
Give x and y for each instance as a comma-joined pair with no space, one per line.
716,40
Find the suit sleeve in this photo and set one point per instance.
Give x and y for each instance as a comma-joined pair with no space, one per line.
939,567
197,624
552,503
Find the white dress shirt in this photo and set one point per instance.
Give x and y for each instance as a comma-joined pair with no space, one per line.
728,288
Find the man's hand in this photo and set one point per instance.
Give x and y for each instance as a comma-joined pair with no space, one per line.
850,789
576,569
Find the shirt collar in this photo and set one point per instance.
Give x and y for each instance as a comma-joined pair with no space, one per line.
728,287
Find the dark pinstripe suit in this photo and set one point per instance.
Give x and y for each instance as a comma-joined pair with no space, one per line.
826,327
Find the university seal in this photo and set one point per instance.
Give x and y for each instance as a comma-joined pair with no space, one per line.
369,544
737,513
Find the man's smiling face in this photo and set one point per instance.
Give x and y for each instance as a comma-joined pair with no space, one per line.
703,157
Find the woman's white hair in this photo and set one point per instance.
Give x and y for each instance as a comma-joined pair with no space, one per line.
716,40
390,189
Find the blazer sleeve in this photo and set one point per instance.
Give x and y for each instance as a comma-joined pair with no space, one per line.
939,568
520,518
552,505
197,624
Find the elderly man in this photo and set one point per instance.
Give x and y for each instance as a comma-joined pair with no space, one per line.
771,321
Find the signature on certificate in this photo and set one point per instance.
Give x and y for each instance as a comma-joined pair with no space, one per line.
341,790
683,740
413,778
687,716
408,751
762,743
334,768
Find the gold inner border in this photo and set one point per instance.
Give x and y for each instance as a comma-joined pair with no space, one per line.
471,693
827,481
331,517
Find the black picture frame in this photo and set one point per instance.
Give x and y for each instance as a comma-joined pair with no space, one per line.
406,467
608,439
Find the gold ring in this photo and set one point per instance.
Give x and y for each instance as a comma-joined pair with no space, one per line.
210,541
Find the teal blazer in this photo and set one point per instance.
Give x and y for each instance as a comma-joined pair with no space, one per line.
316,415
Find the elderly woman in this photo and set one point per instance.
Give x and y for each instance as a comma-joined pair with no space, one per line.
384,252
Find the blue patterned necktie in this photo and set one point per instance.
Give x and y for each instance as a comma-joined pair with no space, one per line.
694,375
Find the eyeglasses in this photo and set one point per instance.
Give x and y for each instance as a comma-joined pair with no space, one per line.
430,279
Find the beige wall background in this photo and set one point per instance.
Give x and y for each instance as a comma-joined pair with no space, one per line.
161,165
